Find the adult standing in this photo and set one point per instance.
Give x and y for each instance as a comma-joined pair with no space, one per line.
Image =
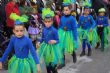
11,7
2,14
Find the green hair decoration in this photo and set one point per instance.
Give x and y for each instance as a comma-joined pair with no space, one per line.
15,17
47,12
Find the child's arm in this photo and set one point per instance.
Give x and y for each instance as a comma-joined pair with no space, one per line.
79,22
92,22
33,53
96,21
8,50
106,22
74,30
56,36
0,65
60,25
38,68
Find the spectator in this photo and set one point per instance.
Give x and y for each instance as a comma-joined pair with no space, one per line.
11,7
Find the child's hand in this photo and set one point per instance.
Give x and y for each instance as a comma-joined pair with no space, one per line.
41,62
37,45
52,42
0,65
101,25
98,25
90,30
65,28
38,68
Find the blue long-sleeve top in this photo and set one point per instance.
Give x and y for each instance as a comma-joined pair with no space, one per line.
70,23
86,22
102,20
22,47
49,33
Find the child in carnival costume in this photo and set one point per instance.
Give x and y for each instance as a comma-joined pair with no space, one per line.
10,7
87,3
57,16
84,3
72,2
49,42
25,59
102,29
68,33
34,26
69,1
87,33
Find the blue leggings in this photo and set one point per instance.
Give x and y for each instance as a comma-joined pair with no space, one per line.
84,43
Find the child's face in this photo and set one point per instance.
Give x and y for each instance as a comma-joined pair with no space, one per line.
48,22
102,14
86,11
34,11
14,1
66,11
18,31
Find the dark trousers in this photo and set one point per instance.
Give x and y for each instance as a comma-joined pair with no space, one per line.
84,43
73,56
51,69
100,31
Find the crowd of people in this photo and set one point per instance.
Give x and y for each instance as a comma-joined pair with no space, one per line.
33,30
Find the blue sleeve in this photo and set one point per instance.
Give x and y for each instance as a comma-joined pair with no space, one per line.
92,22
8,50
106,22
79,22
60,25
96,21
56,36
33,52
74,29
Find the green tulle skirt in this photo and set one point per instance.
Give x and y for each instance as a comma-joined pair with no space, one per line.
67,43
50,53
106,36
92,37
26,65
